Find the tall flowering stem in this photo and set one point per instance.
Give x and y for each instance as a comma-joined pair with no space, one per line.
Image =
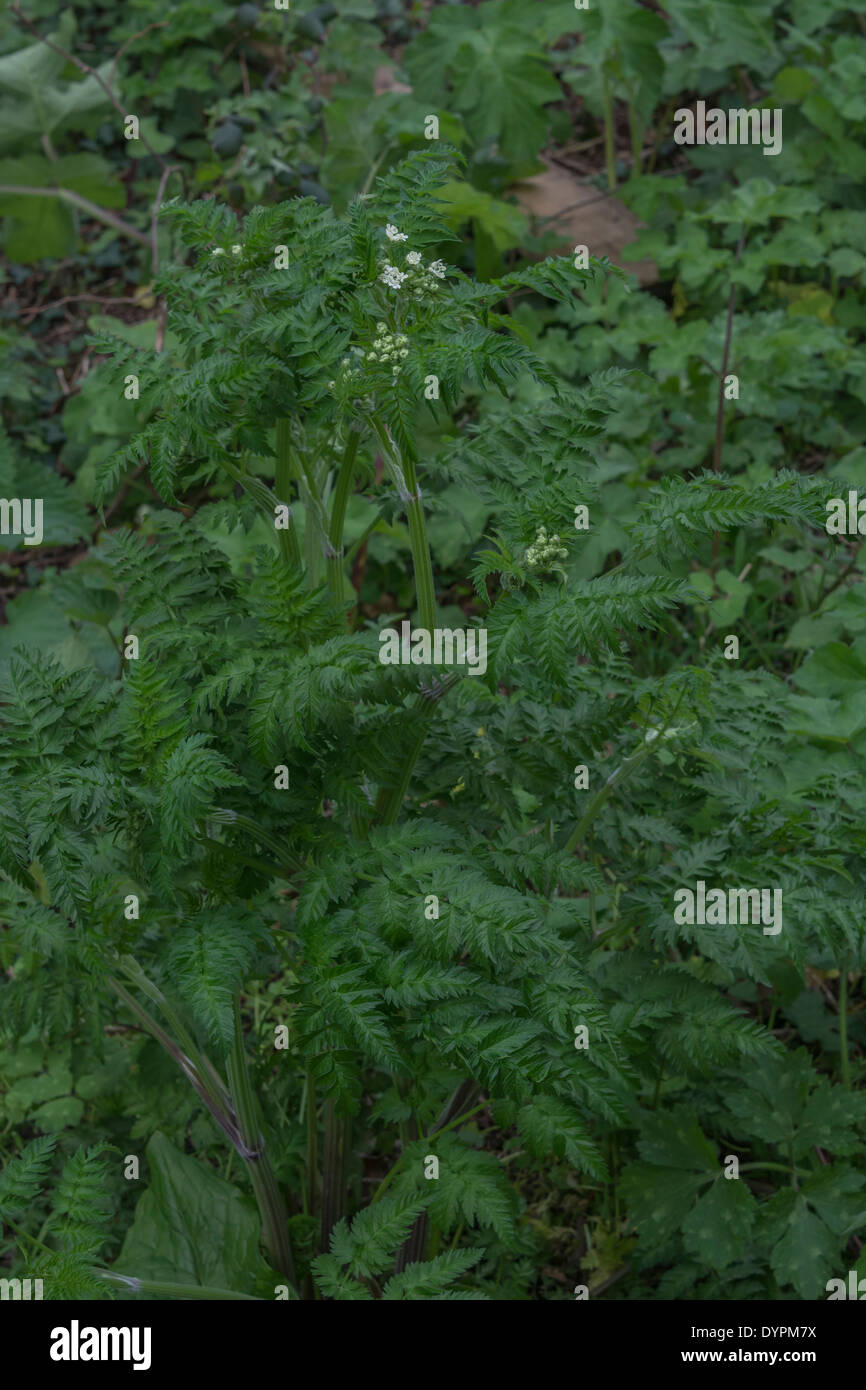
402,472
338,515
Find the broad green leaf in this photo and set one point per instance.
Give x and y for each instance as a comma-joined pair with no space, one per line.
34,97
674,1138
61,1113
833,670
838,1194
658,1198
190,1226
502,222
807,1253
719,1224
484,65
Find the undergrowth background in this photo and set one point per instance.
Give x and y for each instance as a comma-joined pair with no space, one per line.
306,906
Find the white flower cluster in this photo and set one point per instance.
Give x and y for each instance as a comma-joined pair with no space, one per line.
414,278
219,251
389,347
391,276
543,551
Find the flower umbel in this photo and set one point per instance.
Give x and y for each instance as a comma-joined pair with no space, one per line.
392,276
389,348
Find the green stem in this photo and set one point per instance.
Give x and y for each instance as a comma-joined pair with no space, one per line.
333,1171
224,816
390,799
270,1203
575,839
345,478
635,125
609,150
843,1026
160,1290
401,469
658,1086
234,1110
67,195
289,547
22,1235
312,1142
425,591
193,1064
316,542
774,1168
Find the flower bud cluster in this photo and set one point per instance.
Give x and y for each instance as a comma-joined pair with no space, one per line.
389,348
351,377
